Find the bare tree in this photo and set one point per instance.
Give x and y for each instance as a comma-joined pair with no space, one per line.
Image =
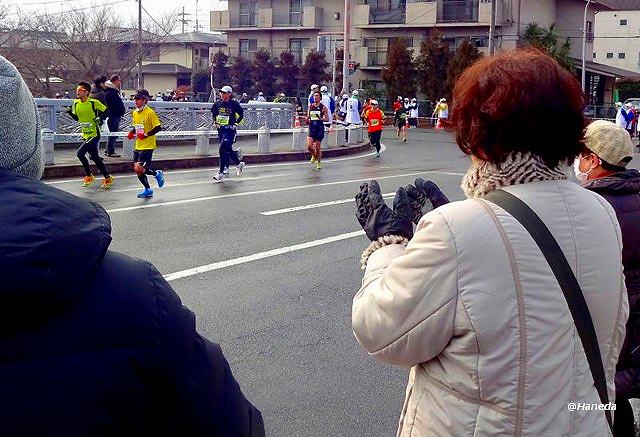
81,44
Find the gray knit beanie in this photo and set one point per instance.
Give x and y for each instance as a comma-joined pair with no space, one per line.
20,143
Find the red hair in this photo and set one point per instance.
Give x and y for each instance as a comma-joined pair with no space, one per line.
518,101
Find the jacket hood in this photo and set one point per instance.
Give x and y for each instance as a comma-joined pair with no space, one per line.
109,84
626,182
52,242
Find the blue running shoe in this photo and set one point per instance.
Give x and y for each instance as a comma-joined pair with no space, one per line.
148,192
160,178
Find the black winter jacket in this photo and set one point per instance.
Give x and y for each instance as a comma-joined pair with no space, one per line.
93,342
622,191
113,101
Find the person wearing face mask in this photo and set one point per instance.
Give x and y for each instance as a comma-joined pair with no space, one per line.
601,167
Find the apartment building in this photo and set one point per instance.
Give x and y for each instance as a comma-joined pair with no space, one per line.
299,26
617,40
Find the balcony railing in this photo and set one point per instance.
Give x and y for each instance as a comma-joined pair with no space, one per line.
459,11
386,16
376,59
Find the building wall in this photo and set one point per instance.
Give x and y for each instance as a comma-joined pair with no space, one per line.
155,83
614,38
569,18
176,54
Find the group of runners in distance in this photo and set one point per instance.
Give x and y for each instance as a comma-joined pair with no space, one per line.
227,114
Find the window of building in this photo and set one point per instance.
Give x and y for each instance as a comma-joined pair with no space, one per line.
590,31
295,12
247,48
594,55
297,46
248,14
621,55
387,11
609,55
623,22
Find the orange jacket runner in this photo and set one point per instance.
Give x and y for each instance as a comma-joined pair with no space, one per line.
374,119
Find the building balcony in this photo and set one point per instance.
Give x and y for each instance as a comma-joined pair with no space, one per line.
465,11
266,19
436,13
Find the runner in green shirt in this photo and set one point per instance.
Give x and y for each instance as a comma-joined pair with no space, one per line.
89,112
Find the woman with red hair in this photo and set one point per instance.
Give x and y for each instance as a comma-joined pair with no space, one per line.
468,301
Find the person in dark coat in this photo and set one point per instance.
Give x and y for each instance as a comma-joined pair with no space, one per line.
92,342
602,168
115,112
98,90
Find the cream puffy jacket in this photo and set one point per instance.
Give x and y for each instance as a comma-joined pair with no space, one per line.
472,307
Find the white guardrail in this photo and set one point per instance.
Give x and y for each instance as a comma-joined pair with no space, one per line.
335,136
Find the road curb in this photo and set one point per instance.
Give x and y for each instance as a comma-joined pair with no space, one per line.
119,167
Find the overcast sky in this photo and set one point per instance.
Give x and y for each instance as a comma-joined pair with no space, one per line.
128,8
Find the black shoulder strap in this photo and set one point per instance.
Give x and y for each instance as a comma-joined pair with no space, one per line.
567,280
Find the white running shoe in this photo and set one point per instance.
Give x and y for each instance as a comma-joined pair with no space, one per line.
240,167
218,177
226,170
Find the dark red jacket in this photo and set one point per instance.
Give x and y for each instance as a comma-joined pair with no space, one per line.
622,191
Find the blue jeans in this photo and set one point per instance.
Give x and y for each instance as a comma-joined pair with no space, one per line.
227,154
113,123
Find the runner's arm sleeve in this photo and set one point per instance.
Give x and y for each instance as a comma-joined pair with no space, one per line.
240,113
154,131
71,113
214,112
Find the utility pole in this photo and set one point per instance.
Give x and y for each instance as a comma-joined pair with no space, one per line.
140,81
183,20
345,58
584,47
492,28
197,25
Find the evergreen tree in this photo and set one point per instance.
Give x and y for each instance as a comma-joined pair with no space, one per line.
466,55
240,75
314,69
287,71
549,41
400,73
263,73
220,70
432,66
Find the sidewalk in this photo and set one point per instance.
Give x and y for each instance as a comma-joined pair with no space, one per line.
180,156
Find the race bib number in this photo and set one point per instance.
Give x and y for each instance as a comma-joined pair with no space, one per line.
87,128
139,128
374,122
314,115
222,120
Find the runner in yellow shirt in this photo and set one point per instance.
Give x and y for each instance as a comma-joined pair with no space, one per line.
89,113
146,125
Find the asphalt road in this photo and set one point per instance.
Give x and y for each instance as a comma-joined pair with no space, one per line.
281,316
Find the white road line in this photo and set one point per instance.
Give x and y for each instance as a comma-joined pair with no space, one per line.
248,193
315,205
211,170
260,255
207,181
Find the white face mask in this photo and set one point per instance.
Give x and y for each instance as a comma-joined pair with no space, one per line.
581,176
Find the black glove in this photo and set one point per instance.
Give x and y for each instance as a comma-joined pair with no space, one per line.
377,219
422,192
